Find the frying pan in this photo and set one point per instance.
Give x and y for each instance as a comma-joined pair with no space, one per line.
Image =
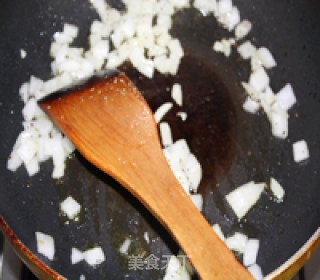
233,147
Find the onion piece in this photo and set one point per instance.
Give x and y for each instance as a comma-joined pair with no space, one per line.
27,149
32,166
277,189
45,245
193,171
175,270
165,134
251,106
162,110
197,199
246,50
14,161
286,97
182,179
58,170
243,29
244,198
300,151
279,125
251,252
31,110
205,6
259,79
266,58
70,207
237,242
223,7
76,256
180,3
146,237
94,256
230,19
125,246
224,46
24,92
256,271
180,149
218,231
23,53
182,115
176,93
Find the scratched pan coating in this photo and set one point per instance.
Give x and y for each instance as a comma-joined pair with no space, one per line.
234,147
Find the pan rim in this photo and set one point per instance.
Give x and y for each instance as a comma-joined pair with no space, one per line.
284,272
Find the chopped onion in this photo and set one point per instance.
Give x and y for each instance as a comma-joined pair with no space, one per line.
146,237
286,97
182,179
230,19
224,46
251,106
259,79
279,125
277,189
94,256
76,255
197,199
24,92
58,170
125,246
246,50
165,134
218,231
32,166
244,198
256,271
175,270
45,245
70,207
184,165
266,57
162,110
182,115
237,242
180,149
70,30
193,171
27,149
43,125
14,161
31,110
176,94
251,252
180,3
205,6
23,53
67,145
223,7
300,151
58,153
243,29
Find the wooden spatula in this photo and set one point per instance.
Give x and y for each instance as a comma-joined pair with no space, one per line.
112,126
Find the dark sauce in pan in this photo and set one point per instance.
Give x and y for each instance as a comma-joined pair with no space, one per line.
211,125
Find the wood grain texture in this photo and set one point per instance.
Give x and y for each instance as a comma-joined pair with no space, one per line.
111,124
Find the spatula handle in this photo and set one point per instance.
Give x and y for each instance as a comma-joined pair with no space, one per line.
158,189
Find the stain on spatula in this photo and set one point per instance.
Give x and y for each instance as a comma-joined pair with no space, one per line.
112,126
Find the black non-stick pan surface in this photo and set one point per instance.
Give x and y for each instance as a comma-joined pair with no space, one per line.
234,147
